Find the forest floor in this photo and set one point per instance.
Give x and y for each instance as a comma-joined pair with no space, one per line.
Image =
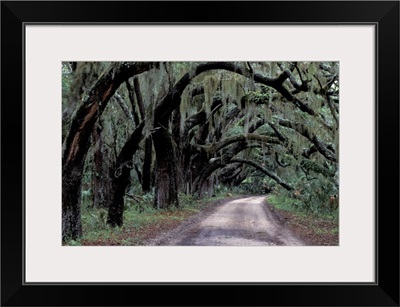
315,231
241,220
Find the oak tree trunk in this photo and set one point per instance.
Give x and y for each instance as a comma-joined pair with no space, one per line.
148,154
121,177
101,169
166,188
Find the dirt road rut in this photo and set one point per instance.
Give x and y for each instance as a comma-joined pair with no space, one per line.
240,222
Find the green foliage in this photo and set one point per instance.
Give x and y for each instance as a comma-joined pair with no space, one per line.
66,79
309,203
188,201
73,243
221,189
309,165
316,195
251,185
257,98
235,130
87,198
140,204
311,195
94,219
283,201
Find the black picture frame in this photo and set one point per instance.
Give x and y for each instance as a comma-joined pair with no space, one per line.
383,14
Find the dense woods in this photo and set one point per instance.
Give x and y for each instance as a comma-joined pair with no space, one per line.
168,130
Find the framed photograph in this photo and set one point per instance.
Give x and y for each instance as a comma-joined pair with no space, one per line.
177,102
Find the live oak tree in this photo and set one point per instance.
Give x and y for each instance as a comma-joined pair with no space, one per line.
188,127
77,143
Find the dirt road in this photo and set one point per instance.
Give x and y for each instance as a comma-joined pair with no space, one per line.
240,222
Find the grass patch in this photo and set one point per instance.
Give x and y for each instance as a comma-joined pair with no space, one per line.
141,221
320,228
283,203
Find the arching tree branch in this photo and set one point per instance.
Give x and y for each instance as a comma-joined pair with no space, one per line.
269,173
214,148
314,139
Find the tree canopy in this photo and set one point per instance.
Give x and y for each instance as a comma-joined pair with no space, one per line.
166,128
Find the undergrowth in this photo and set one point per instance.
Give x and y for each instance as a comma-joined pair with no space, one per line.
318,227
284,202
139,216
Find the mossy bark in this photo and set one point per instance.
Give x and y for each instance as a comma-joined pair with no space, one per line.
166,187
121,177
147,171
101,180
71,201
